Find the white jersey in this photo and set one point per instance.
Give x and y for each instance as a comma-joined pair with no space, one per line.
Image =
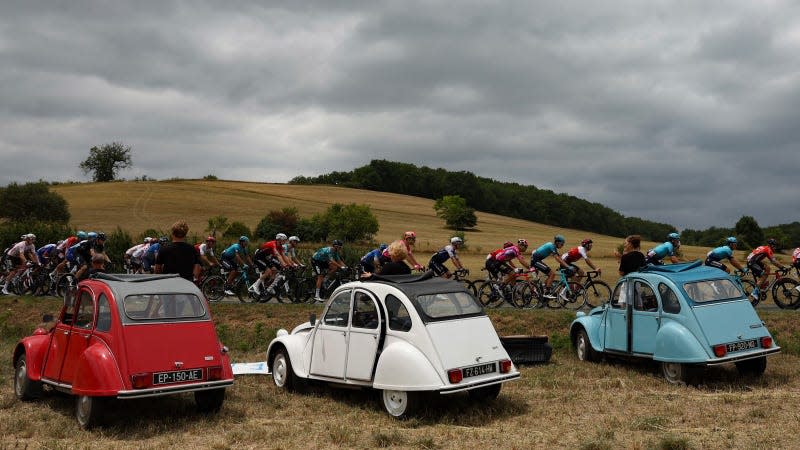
137,251
21,248
206,250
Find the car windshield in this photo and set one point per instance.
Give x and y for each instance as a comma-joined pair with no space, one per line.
163,307
712,290
448,305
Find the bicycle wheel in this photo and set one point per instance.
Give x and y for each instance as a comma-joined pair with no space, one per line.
283,292
572,296
489,296
596,293
786,293
302,290
470,285
214,288
522,295
748,287
64,282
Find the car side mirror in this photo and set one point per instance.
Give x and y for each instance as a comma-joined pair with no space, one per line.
47,318
312,319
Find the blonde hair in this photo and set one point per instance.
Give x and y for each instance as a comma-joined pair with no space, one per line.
397,250
179,229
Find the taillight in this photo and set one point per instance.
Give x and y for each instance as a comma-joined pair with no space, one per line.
214,373
140,380
720,350
505,366
766,342
455,376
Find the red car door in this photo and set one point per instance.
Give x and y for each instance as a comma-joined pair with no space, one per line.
58,342
79,336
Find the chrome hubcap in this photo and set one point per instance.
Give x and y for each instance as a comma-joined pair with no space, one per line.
279,370
395,402
19,381
581,348
84,408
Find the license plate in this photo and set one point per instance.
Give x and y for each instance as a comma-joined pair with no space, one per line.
474,371
180,376
742,345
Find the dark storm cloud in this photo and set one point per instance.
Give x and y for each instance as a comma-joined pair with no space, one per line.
681,112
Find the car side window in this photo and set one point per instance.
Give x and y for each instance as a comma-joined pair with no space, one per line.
339,310
399,320
619,298
103,313
669,300
365,313
645,298
85,315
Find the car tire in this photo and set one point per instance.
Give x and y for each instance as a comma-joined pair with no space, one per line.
209,401
583,347
752,367
486,392
282,373
89,410
678,373
400,404
24,387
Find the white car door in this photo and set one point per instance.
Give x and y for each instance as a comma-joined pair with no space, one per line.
365,330
330,340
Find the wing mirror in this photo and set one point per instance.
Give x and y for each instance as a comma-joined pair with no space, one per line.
312,319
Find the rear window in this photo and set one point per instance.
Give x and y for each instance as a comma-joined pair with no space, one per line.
448,305
712,290
163,307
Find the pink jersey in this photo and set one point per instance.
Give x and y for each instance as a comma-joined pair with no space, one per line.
795,255
507,254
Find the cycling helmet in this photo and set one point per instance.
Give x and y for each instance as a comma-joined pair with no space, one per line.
455,240
507,244
559,238
211,239
163,239
91,235
148,240
772,242
30,236
294,239
244,239
586,242
522,242
731,240
101,235
81,235
337,243
673,237
280,237
409,234
383,247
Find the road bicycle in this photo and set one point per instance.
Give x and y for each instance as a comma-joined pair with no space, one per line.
596,291
563,293
770,287
786,290
493,292
212,284
745,285
306,290
461,275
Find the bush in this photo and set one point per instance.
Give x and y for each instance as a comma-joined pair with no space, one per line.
283,221
32,202
350,222
46,232
117,243
235,230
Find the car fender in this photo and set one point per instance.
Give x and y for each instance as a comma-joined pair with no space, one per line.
590,323
294,345
97,372
403,367
675,343
35,348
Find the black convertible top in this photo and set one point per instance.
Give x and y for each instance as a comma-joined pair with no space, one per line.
416,285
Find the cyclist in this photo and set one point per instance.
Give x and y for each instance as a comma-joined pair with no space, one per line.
81,257
205,251
755,262
714,257
409,239
269,258
448,252
234,257
47,253
133,256
325,262
796,258
22,252
575,254
537,260
502,260
290,251
62,252
149,258
668,248
371,261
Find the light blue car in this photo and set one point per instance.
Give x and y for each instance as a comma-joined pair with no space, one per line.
685,316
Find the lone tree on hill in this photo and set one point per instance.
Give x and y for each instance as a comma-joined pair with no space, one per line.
107,160
455,212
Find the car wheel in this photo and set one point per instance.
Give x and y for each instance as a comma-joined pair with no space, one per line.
89,410
678,373
24,387
583,347
209,401
400,404
282,373
752,367
486,392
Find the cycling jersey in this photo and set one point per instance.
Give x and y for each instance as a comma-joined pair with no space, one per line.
505,254
544,251
20,248
80,253
67,243
720,253
204,249
765,251
289,251
796,256
444,254
152,250
575,254
271,248
661,251
137,251
230,252
326,254
44,253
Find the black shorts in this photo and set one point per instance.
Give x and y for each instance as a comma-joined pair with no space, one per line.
229,264
15,261
264,261
438,268
714,263
496,267
320,267
654,260
540,266
367,267
757,268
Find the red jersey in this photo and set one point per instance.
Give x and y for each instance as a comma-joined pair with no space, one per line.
67,243
760,253
272,248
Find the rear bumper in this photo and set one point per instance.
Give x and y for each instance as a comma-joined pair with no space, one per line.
467,387
736,358
169,390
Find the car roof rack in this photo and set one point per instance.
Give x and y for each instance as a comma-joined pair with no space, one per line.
132,278
672,268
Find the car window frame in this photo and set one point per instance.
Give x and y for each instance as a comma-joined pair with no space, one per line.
80,300
664,303
353,312
428,319
348,293
638,300
389,314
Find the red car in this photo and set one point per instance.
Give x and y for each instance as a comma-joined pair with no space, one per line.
126,337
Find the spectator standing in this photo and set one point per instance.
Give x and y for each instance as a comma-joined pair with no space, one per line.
632,258
178,256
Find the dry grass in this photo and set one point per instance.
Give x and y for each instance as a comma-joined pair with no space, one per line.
564,404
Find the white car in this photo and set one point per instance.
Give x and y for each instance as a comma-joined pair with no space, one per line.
403,335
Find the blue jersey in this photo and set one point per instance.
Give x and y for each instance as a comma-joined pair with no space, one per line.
230,252
370,257
45,252
662,251
326,254
444,254
153,249
720,253
544,251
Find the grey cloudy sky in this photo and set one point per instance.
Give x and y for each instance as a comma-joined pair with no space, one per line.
683,112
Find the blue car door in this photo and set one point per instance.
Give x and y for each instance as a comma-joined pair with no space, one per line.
616,327
646,318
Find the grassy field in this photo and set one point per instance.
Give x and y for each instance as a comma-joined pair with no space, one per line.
563,404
